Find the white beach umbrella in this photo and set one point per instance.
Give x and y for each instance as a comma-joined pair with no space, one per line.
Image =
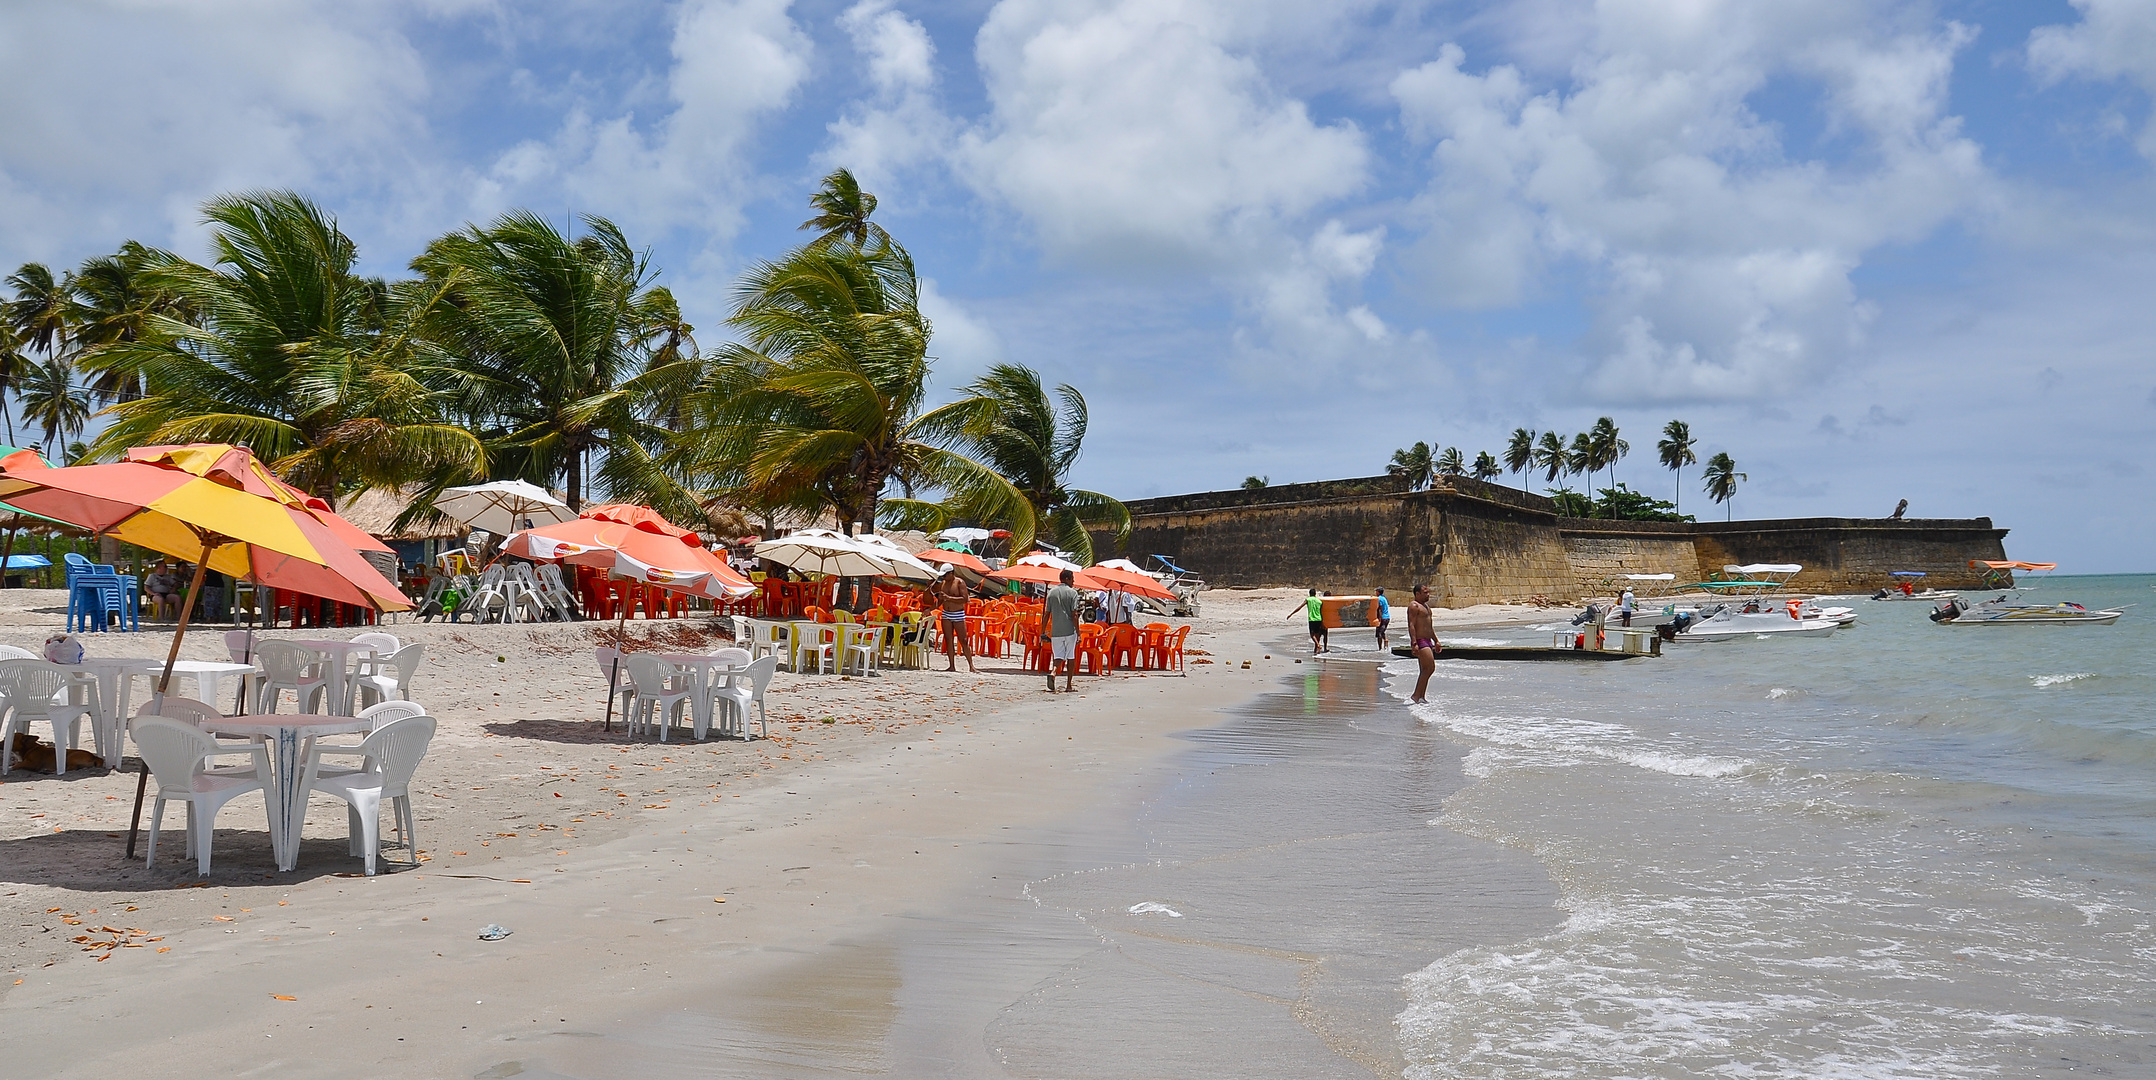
964,534
1042,558
903,562
821,551
503,506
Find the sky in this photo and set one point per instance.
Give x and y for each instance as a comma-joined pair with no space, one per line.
1873,251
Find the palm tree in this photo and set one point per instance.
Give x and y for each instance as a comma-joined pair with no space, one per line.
13,366
1722,479
821,401
321,372
1675,451
842,211
1520,451
1008,423
1608,448
51,400
112,303
1417,463
1551,458
555,341
39,312
1485,467
1450,463
1256,483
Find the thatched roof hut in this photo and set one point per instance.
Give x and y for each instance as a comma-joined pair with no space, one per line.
376,511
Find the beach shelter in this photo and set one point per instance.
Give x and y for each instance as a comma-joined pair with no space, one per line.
503,506
648,549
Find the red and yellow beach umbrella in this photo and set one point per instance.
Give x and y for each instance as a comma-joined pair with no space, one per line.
216,506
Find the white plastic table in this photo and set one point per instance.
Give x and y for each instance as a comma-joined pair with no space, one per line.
116,688
707,669
336,669
289,738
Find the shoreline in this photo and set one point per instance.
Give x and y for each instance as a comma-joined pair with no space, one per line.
821,847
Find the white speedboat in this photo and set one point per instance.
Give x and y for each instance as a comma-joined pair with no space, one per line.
1999,612
2002,610
1730,623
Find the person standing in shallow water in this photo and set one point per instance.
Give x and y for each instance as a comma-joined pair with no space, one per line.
1314,609
1384,619
1422,634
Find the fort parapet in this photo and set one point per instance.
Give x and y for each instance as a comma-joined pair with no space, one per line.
1474,542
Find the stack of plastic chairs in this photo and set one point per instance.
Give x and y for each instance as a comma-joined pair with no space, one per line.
95,593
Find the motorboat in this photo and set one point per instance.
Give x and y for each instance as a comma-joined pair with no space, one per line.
1905,588
1753,620
2002,610
1757,584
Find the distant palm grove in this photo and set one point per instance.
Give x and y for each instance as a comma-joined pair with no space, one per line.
525,349
1587,453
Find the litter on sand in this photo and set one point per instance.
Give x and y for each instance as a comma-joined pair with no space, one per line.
493,932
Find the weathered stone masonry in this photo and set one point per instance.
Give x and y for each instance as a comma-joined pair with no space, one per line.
1478,543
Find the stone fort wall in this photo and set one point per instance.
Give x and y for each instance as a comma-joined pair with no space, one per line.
1474,542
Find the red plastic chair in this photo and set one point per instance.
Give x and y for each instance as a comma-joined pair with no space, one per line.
1122,646
1092,648
1171,654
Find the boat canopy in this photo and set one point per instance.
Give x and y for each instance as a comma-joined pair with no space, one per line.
1764,568
1170,565
1650,577
1906,573
2011,565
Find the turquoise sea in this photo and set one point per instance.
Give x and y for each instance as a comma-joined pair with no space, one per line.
1905,850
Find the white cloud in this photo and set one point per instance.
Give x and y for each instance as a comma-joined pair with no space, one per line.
2115,39
1722,264
736,64
901,125
963,344
1128,133
124,117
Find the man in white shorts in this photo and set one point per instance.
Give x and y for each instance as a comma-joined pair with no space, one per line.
1059,620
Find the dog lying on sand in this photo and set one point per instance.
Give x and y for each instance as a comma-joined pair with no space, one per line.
35,755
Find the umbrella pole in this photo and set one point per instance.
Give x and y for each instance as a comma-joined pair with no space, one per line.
7,552
613,673
164,683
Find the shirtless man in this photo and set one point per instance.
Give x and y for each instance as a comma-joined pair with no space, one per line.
951,592
1422,635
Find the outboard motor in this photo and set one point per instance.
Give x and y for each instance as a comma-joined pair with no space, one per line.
1587,616
1948,611
1678,624
1880,595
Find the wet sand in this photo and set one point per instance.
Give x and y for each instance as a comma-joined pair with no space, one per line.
934,892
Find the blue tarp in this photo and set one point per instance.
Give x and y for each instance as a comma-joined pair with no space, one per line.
28,562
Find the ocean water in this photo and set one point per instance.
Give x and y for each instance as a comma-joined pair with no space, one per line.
1905,850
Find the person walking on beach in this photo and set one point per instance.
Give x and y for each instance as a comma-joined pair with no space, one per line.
1422,634
1059,620
951,593
1384,618
1314,609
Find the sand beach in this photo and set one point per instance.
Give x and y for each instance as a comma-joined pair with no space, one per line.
746,890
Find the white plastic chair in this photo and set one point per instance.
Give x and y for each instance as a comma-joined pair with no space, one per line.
661,692
178,756
771,639
863,643
613,667
32,690
185,710
382,713
242,645
558,594
749,686
390,756
389,677
826,644
10,652
286,666
384,643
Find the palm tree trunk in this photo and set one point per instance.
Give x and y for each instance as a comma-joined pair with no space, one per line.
7,552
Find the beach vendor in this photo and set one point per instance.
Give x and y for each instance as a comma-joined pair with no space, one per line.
1384,619
1059,621
1422,636
951,593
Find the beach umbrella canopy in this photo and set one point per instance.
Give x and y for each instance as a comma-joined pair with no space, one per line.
503,506
1122,580
959,559
651,550
905,565
821,551
963,534
1048,559
1035,573
213,505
